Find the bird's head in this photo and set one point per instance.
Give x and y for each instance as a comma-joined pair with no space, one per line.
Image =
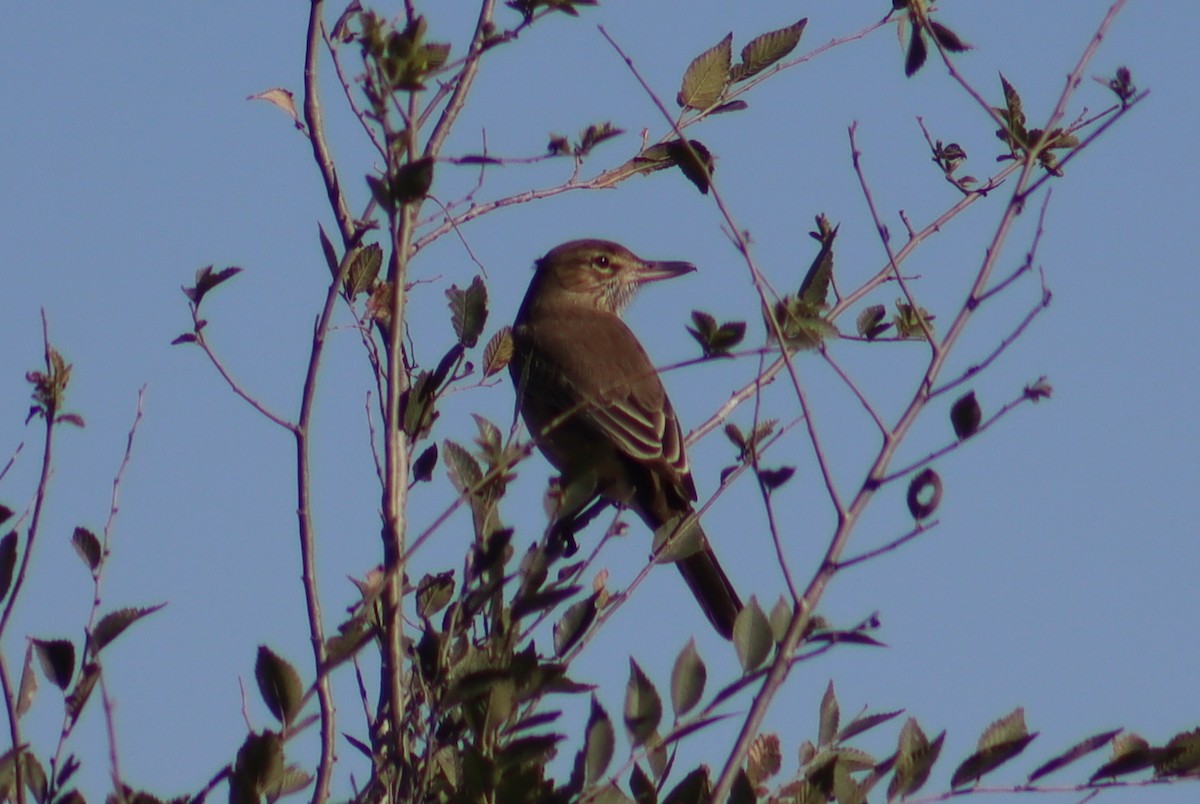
602,275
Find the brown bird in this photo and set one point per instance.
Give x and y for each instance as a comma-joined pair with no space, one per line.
597,409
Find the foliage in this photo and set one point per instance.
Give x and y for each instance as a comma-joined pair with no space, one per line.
469,705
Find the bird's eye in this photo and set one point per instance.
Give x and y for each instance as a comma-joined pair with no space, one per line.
602,262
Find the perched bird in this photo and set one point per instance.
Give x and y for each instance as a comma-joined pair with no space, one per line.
597,409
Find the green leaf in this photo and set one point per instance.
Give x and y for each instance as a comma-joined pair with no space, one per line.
965,415
752,636
206,280
915,756
468,311
695,788
88,676
947,38
644,791
498,352
413,180
327,249
830,715
814,290
57,657
714,340
259,763
1075,752
1003,740
88,547
695,162
363,270
763,51
422,470
464,470
8,561
643,707
1130,754
870,320
598,743
866,722
434,593
688,677
917,51
29,683
113,624
292,779
574,624
1180,756
706,77
279,684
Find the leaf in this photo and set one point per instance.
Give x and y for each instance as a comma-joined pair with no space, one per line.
412,180
282,98
1130,754
688,676
643,707
8,561
498,352
574,624
1003,740
29,683
279,684
1077,751
763,51
422,470
434,593
113,624
965,415
774,478
642,788
79,696
947,38
88,547
764,759
291,779
716,341
830,715
327,249
866,722
1180,756
259,763
924,494
364,269
915,756
57,657
696,162
468,311
752,636
869,322
206,280
695,788
917,51
706,77
598,743
464,470
5,514
814,290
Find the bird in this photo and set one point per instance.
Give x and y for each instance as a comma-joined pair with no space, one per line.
597,409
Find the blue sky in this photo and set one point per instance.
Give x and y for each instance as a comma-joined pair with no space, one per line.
1062,576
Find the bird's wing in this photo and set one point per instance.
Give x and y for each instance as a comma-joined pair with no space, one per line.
628,403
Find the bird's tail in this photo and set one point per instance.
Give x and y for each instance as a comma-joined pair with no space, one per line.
713,590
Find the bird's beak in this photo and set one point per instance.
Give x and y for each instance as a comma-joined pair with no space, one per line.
656,271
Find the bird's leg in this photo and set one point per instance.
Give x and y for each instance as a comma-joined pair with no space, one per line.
577,505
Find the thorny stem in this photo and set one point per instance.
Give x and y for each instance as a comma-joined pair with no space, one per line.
10,701
846,523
